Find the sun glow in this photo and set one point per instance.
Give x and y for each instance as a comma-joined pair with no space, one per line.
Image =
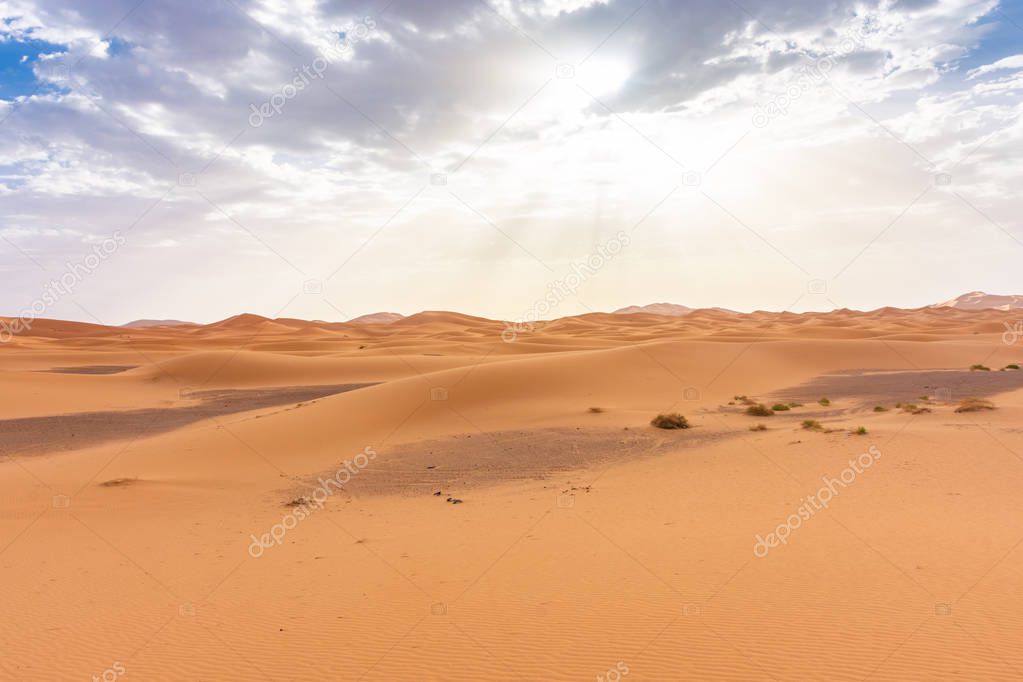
603,76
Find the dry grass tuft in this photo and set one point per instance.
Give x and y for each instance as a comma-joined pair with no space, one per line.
117,482
759,410
910,408
670,421
974,405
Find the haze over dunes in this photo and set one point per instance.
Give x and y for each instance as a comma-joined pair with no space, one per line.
661,320
978,300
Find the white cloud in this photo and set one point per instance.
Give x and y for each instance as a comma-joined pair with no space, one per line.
1008,63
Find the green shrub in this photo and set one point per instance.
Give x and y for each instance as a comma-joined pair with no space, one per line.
780,407
824,401
812,425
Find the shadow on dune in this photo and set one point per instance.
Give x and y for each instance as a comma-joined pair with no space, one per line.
887,387
461,462
62,432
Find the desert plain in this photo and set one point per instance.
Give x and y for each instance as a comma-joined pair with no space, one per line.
435,498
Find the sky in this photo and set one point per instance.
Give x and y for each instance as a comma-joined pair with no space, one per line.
526,159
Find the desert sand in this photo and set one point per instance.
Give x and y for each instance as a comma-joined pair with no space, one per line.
505,511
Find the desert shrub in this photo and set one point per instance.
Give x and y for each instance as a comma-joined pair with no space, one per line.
860,431
758,427
596,410
880,408
812,425
759,410
745,400
974,405
824,401
1012,366
910,408
979,367
780,407
795,404
670,421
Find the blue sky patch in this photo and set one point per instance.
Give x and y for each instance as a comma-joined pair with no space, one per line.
116,46
16,60
1004,37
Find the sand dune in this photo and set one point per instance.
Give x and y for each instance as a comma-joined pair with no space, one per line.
149,474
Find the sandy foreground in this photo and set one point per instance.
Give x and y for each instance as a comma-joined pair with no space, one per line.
285,500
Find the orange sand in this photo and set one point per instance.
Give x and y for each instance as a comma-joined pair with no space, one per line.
579,548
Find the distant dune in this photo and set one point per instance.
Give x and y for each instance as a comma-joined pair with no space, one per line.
716,320
978,300
136,324
376,318
670,309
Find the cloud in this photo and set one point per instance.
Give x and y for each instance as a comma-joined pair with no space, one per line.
1008,63
143,121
